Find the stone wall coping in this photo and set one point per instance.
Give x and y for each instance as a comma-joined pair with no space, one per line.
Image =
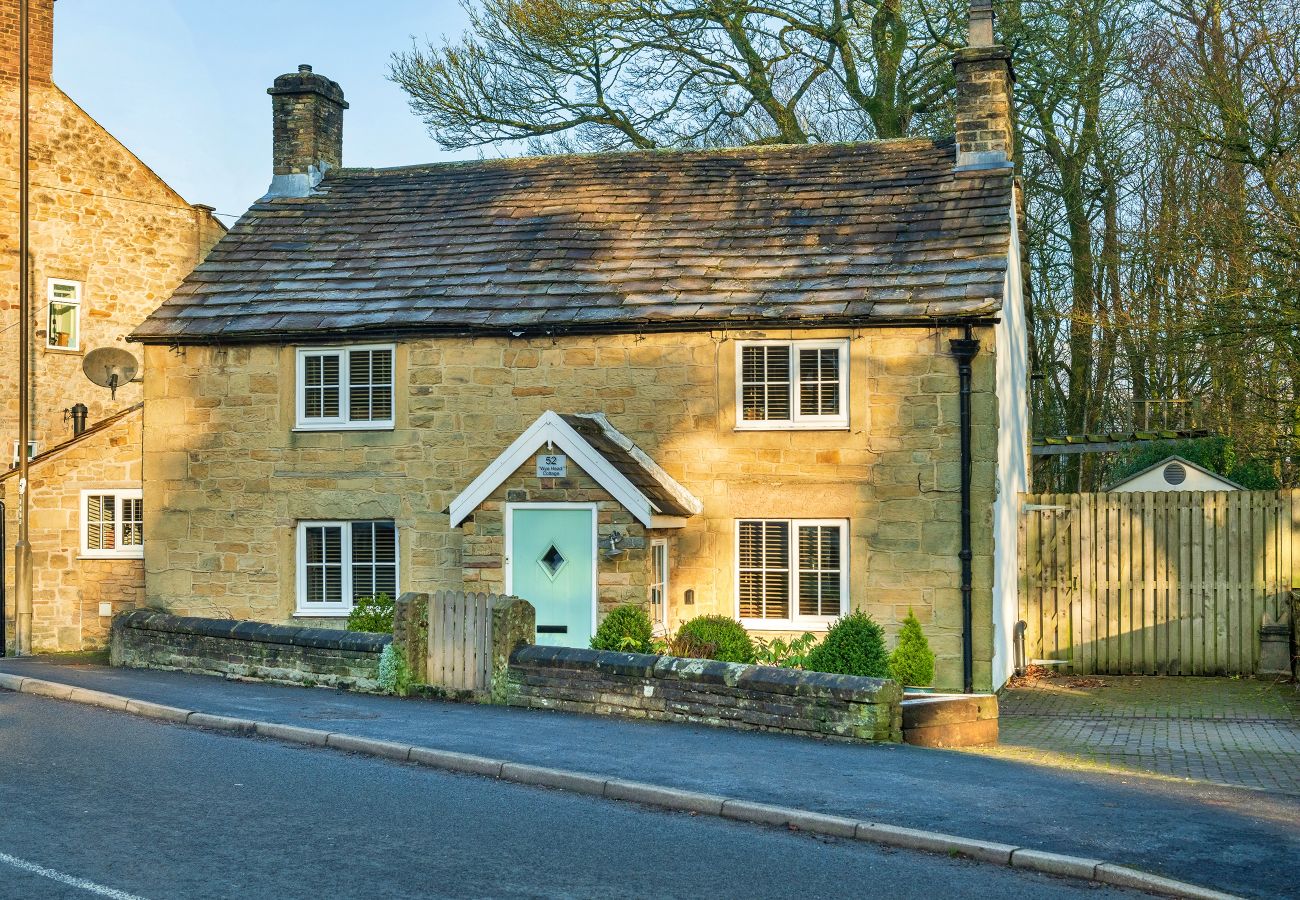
766,679
261,632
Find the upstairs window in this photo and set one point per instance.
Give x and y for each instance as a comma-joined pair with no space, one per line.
64,332
33,448
112,524
341,561
792,384
791,573
345,387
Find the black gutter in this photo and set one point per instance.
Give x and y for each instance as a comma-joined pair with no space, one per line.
325,335
965,349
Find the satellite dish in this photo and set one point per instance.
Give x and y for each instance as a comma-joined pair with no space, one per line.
110,367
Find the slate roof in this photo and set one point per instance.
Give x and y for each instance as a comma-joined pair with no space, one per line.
668,497
669,240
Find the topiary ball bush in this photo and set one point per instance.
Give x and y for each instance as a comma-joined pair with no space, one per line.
716,637
854,645
626,629
912,662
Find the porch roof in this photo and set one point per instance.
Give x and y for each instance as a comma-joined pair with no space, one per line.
618,465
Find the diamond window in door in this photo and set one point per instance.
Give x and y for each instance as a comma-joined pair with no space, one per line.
552,561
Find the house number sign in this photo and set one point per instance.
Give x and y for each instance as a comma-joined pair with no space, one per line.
552,465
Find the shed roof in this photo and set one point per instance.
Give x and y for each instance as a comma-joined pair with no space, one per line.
820,234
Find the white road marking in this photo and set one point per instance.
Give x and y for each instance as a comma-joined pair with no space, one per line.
70,880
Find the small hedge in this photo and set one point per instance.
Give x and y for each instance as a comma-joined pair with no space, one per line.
714,637
372,614
626,629
912,662
854,645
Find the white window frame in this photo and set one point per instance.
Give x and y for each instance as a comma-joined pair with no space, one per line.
134,551
33,449
797,421
658,551
319,610
50,284
342,421
796,621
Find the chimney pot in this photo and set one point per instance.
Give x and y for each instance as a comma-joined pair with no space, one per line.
307,119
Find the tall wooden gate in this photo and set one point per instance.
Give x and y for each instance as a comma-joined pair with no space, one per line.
1173,583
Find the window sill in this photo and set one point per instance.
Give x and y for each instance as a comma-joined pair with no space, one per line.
321,613
794,426
67,351
814,625
101,555
345,426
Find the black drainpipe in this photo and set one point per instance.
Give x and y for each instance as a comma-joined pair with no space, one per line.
965,348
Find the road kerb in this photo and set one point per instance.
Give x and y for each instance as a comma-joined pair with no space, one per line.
665,797
369,746
801,819
1123,876
935,842
313,737
1055,863
222,723
464,763
565,780
149,710
640,792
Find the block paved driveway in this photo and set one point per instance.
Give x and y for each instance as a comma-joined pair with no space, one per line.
1231,731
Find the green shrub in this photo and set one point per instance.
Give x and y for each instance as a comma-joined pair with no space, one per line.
373,614
394,674
854,645
714,637
792,654
912,662
626,629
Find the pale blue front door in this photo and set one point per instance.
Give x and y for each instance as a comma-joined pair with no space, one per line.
551,555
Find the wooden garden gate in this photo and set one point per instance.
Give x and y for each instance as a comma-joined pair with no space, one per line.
1174,583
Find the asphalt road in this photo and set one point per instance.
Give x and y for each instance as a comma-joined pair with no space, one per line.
1227,838
95,803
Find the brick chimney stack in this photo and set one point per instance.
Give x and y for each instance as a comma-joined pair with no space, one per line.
307,114
40,40
985,120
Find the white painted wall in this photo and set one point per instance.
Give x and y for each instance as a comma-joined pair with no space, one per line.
1011,344
1154,480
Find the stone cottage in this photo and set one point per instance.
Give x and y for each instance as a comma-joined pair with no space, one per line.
109,242
776,383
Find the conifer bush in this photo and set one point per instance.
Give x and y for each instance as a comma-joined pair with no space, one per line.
626,629
854,645
912,662
715,637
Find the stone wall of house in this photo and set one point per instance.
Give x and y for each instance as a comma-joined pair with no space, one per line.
229,478
68,590
727,695
101,217
147,639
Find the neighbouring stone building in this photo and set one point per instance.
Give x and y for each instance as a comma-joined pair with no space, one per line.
707,382
109,242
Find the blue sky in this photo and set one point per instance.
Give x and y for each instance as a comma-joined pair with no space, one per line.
183,82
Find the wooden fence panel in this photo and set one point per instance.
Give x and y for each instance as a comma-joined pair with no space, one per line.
1155,583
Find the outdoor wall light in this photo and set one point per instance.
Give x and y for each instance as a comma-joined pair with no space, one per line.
614,539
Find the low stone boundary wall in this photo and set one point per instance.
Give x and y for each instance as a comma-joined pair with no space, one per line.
950,720
728,695
147,639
